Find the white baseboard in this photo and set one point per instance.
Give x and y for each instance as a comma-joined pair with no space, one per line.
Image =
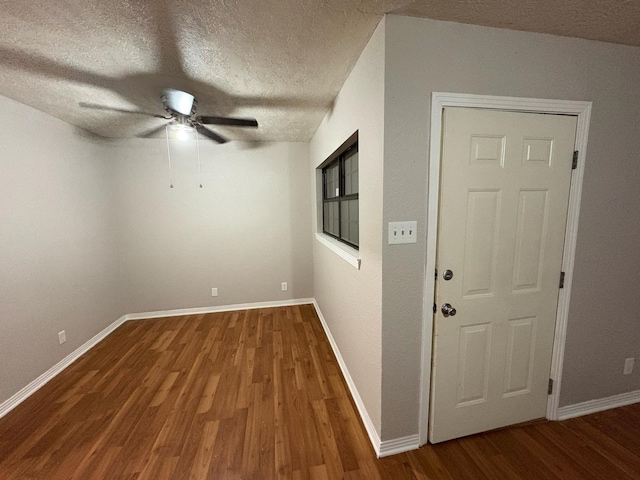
43,379
364,415
382,448
31,388
598,405
221,308
399,445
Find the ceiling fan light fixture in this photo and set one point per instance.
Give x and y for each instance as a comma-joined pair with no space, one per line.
176,135
179,101
180,131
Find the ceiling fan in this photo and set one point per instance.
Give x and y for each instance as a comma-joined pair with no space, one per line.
181,108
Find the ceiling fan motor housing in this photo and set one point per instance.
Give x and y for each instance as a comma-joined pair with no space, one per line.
178,101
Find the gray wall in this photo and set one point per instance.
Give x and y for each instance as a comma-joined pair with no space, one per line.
423,56
57,243
348,298
244,232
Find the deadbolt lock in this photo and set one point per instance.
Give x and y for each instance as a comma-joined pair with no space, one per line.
447,275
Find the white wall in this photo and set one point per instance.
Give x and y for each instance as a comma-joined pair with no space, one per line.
57,243
349,298
423,56
244,232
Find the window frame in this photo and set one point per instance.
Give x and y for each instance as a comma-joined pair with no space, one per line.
339,157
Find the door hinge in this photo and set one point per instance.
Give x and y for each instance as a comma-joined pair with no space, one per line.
561,279
550,389
574,165
436,273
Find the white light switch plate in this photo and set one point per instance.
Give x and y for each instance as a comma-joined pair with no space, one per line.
402,232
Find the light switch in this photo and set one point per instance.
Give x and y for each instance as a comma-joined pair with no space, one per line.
402,232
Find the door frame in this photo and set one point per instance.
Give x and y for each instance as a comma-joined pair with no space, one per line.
439,101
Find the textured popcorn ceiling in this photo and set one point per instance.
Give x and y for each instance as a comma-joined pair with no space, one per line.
615,21
280,61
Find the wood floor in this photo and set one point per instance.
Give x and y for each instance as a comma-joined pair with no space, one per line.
258,394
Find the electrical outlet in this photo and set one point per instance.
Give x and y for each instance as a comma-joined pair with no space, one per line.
402,232
284,286
62,337
214,292
628,366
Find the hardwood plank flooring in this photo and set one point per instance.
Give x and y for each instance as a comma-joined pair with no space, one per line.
258,394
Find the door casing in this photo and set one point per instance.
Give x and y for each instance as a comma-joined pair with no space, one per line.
439,101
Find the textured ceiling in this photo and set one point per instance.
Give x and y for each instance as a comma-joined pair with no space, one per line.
280,61
615,21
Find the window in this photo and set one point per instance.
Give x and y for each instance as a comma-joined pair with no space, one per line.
340,196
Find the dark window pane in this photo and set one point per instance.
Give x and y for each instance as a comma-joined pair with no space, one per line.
332,179
325,218
335,218
349,221
331,220
351,173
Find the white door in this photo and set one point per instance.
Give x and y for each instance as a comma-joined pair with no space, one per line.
503,208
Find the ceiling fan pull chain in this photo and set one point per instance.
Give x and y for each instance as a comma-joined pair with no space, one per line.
198,154
166,131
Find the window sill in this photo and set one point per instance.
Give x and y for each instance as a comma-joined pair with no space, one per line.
351,255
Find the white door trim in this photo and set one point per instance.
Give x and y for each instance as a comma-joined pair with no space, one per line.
439,101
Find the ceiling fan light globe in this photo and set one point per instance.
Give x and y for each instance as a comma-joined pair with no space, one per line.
180,131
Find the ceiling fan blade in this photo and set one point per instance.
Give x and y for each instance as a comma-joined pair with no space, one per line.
231,122
96,106
209,134
152,132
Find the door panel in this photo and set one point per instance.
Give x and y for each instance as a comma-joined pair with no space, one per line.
480,248
503,204
473,374
521,341
530,236
487,151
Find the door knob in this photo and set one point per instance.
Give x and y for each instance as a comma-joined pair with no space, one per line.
448,310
